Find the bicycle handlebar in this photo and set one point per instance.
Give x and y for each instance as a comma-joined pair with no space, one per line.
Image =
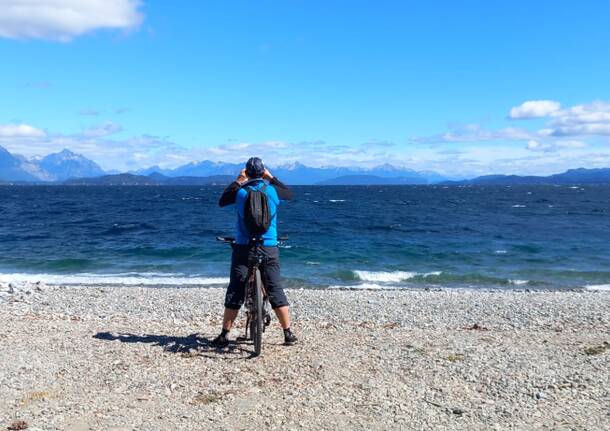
228,239
231,240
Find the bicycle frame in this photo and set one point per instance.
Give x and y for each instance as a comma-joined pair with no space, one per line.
255,263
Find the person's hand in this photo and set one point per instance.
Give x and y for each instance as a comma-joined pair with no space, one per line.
267,175
242,177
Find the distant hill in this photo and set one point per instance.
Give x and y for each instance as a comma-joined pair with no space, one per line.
294,173
368,180
212,180
154,179
297,173
114,180
66,167
572,176
16,168
66,164
54,167
205,168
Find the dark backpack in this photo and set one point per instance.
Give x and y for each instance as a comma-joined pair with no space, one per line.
257,217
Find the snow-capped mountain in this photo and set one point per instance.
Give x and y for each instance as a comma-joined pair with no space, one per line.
14,168
205,168
297,173
66,164
54,167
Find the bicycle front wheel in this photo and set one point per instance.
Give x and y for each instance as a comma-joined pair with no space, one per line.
256,324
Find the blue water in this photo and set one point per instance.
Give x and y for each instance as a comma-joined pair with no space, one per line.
367,237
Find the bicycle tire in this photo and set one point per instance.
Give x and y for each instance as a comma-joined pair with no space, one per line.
256,325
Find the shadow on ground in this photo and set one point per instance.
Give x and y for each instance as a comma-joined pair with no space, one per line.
190,345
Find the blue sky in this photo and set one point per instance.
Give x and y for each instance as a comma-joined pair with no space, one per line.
463,88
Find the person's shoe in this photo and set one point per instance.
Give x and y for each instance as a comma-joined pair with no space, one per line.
221,340
289,338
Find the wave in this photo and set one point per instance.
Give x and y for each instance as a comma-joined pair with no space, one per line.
401,279
391,277
120,228
603,287
123,279
366,286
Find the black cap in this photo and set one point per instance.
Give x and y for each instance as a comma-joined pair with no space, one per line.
255,168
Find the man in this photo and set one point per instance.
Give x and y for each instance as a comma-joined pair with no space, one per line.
255,176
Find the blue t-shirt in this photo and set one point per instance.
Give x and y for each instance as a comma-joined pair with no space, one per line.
270,237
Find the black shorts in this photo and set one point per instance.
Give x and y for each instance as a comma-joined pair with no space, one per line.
236,291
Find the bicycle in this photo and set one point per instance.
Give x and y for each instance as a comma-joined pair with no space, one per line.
256,301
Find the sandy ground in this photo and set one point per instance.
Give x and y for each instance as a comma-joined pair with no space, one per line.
93,358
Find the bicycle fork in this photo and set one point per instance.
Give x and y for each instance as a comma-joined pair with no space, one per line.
250,313
249,306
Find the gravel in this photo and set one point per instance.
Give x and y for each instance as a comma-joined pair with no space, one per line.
139,358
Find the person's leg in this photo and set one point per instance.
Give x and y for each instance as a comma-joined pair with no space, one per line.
277,297
236,292
283,315
228,318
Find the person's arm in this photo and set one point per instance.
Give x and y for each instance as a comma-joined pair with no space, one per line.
230,194
283,192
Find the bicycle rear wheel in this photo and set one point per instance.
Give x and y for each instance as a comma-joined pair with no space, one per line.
256,324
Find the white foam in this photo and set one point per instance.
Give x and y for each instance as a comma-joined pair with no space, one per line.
518,282
604,287
518,206
500,252
365,286
128,279
336,200
390,277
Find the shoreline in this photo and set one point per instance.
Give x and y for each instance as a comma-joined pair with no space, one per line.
80,358
178,281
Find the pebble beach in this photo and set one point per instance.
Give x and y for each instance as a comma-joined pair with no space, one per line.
83,358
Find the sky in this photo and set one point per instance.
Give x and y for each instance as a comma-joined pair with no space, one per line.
462,88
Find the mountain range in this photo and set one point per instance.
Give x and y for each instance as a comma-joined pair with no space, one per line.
571,176
66,167
300,174
55,167
154,179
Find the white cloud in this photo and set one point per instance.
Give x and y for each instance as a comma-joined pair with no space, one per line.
567,128
476,133
553,146
20,131
588,119
102,130
591,119
534,145
583,129
63,20
534,109
89,112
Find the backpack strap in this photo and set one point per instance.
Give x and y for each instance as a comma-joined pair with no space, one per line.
249,183
250,187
